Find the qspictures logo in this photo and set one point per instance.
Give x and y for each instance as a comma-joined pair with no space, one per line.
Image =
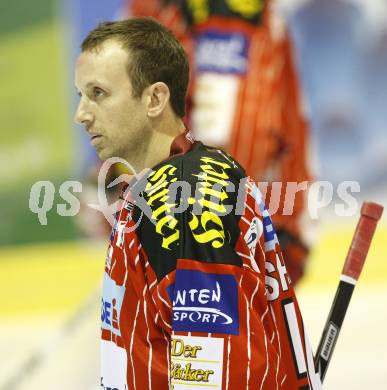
209,203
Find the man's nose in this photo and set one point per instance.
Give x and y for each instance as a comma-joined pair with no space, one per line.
83,115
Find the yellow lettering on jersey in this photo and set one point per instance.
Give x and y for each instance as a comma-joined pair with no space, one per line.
160,175
157,190
210,179
246,8
187,373
178,348
199,10
207,189
162,196
220,208
167,241
213,175
164,208
216,237
196,361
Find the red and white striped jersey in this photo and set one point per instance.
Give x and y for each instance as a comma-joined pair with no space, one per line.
196,293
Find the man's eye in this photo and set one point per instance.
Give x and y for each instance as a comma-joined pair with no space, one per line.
97,92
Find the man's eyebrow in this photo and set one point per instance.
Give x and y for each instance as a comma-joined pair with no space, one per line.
91,84
94,82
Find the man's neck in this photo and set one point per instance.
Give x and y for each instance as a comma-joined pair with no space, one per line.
158,148
160,145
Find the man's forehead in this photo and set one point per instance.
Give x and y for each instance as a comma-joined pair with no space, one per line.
109,50
109,59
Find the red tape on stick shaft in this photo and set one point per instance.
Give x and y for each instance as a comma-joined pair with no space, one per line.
370,215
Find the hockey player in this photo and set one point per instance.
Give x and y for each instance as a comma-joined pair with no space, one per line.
196,292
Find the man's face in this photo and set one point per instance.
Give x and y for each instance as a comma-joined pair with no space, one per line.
114,119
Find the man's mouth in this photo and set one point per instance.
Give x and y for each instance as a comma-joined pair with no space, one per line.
95,137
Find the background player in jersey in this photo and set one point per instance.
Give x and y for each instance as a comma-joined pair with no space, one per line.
244,97
195,298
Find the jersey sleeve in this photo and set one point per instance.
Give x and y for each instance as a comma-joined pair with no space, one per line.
219,282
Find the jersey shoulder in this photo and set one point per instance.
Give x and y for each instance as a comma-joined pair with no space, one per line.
191,202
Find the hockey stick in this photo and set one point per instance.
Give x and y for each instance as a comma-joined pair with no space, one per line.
370,215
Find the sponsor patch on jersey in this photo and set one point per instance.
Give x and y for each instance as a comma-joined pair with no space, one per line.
268,229
109,255
222,52
269,232
196,362
205,302
111,305
113,367
129,207
253,234
113,231
120,230
216,99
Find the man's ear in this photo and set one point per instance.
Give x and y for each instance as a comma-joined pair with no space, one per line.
157,98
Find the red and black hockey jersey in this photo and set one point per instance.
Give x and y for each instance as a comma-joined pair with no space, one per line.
196,293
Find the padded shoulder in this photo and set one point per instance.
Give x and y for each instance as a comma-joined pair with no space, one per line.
189,210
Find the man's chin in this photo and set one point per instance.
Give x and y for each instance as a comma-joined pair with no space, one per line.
106,155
